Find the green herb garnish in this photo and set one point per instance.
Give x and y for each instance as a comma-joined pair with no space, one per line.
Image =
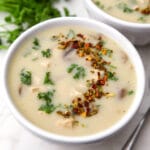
99,4
26,77
46,95
47,79
71,68
130,92
142,19
78,71
125,8
46,53
111,76
47,107
36,44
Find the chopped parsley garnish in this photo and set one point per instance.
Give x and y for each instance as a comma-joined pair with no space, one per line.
142,19
71,68
130,92
99,4
47,96
111,76
46,53
26,77
47,79
47,107
125,8
36,44
78,71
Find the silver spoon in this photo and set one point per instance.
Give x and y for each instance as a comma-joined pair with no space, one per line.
130,142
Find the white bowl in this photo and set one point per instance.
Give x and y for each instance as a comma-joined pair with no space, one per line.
106,30
137,33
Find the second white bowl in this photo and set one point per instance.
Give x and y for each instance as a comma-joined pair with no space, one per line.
138,33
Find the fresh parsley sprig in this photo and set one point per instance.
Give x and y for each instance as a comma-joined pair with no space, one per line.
78,71
24,14
48,107
46,53
26,77
125,8
47,79
112,76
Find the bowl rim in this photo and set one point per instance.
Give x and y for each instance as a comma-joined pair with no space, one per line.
60,138
99,11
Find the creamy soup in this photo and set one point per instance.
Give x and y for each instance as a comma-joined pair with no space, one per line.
129,10
71,81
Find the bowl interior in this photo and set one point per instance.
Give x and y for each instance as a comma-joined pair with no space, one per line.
104,29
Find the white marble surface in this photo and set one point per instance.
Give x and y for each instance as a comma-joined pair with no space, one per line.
14,137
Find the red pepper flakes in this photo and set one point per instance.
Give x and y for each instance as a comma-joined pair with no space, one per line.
65,114
81,36
75,44
85,106
146,11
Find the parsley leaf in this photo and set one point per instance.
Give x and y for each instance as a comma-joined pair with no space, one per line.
99,4
36,44
78,71
130,92
47,107
46,53
47,96
71,68
47,79
125,8
26,77
111,76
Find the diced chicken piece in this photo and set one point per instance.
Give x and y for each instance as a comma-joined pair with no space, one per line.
34,89
67,123
45,64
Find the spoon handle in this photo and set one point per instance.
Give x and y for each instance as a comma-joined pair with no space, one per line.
130,142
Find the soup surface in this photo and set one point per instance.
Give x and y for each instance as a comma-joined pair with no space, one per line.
129,10
71,81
